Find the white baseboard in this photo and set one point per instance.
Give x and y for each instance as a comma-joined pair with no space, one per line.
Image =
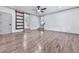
50,29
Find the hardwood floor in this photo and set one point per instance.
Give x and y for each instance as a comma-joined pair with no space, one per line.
39,42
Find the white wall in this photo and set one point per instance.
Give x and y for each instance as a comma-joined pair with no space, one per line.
34,22
66,21
0,24
26,21
12,12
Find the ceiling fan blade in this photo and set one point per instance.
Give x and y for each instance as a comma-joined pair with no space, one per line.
43,8
38,7
42,11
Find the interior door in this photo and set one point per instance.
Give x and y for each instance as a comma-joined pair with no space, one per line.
6,23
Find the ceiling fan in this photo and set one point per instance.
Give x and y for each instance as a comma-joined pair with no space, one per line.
41,9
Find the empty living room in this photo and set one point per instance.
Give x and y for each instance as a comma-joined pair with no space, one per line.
39,29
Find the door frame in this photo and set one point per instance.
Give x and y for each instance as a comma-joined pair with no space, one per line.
10,21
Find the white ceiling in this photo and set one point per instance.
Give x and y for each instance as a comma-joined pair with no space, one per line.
50,9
